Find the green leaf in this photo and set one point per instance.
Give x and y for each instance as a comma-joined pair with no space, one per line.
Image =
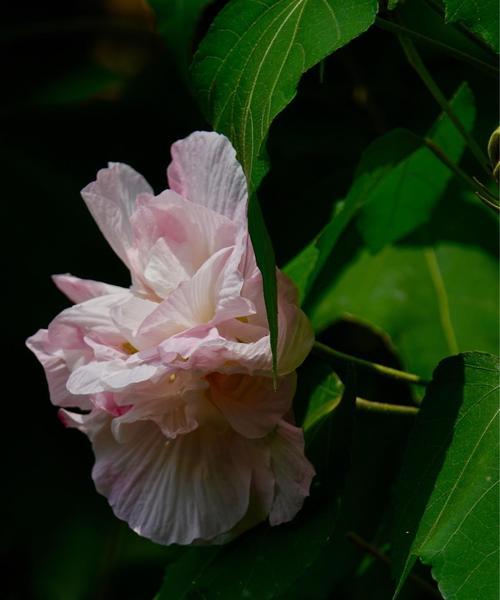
377,162
79,85
405,197
481,17
246,71
248,66
324,398
435,293
176,21
264,254
447,497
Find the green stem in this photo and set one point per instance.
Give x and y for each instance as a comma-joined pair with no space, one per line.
416,62
385,408
488,68
469,181
336,356
463,30
383,558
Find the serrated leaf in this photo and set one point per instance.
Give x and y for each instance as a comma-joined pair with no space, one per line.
447,497
480,16
377,162
246,71
248,66
405,197
435,293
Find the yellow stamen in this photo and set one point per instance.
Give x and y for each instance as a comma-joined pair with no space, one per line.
128,348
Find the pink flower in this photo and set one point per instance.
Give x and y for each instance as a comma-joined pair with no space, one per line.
171,379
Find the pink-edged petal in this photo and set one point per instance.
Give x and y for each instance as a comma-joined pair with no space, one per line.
191,232
79,290
251,404
204,170
292,470
112,199
204,349
177,404
89,423
174,491
91,318
55,364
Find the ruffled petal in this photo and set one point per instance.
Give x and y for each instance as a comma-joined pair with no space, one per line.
293,473
91,318
190,232
111,200
79,290
112,375
55,362
212,294
204,170
251,404
174,491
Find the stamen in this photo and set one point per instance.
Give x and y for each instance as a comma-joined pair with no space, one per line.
128,348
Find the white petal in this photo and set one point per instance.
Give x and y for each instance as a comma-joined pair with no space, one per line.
195,487
293,473
111,199
198,301
111,376
164,271
204,169
250,403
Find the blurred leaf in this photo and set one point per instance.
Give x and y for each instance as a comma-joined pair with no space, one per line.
176,22
377,162
373,462
447,496
481,17
405,197
81,84
391,4
248,66
324,398
435,293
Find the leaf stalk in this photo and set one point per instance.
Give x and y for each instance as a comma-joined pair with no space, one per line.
335,356
416,62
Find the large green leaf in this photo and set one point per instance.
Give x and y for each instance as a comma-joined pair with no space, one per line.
447,497
396,186
480,16
246,71
405,197
248,66
377,162
435,293
176,21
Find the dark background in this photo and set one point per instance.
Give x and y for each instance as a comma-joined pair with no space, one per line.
87,82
